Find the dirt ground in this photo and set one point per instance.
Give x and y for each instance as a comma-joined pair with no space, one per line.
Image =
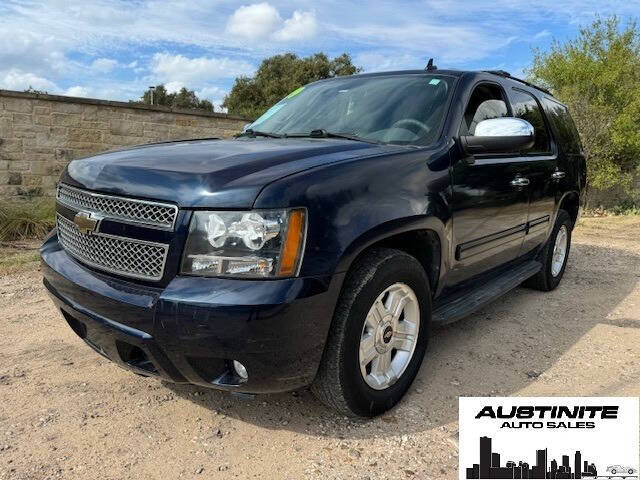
67,413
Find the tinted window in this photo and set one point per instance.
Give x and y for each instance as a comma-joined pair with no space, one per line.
525,107
486,102
403,109
562,125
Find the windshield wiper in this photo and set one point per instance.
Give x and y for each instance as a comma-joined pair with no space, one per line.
322,133
250,132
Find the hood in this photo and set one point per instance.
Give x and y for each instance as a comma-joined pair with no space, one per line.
209,173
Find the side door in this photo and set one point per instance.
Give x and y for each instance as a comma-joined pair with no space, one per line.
541,163
490,196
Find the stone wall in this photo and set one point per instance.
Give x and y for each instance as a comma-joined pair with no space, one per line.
40,134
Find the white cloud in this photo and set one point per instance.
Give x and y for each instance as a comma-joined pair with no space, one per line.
31,52
301,25
173,87
77,91
254,21
17,80
215,95
453,44
384,61
542,34
178,68
104,65
262,20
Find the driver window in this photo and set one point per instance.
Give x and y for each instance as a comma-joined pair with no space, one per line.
487,101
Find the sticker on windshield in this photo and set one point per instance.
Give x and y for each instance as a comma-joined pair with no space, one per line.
434,81
269,113
295,92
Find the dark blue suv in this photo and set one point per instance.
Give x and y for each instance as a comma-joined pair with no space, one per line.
321,245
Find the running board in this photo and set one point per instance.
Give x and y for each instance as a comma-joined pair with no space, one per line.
465,303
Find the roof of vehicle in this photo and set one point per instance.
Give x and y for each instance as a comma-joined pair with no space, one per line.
453,73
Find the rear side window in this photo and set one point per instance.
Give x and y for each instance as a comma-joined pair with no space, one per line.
486,102
526,107
562,125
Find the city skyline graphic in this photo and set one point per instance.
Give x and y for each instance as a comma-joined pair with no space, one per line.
490,466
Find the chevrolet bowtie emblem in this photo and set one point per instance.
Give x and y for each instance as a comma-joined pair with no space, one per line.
87,222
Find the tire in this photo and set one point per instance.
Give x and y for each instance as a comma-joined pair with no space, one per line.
549,277
342,383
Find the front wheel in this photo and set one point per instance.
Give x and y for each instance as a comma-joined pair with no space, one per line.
554,255
378,336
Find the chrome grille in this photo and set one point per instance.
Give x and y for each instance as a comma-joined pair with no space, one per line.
119,255
128,210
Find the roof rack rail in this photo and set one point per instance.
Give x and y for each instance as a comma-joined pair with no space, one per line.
502,73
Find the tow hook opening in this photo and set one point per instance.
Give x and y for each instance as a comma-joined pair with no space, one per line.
77,326
135,357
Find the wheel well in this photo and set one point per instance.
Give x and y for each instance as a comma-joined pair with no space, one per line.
424,245
571,204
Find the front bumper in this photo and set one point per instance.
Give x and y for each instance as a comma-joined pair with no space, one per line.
193,329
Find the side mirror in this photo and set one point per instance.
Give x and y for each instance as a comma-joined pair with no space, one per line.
499,135
247,125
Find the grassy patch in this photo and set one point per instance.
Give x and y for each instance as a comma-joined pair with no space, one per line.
22,220
19,257
624,228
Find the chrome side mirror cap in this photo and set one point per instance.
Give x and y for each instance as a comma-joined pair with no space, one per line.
504,127
499,135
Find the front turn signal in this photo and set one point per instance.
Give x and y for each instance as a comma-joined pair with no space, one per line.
294,243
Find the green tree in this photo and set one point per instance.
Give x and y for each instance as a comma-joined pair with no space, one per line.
185,98
597,74
278,76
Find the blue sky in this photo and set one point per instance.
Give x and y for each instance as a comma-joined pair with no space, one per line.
115,49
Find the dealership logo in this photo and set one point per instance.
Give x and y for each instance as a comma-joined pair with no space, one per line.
542,438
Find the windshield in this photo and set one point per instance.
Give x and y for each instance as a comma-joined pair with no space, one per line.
402,109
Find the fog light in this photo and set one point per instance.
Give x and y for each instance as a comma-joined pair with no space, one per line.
240,370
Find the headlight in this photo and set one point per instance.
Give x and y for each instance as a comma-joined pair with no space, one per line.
260,243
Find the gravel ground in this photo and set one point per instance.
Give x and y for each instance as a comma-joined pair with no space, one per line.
67,413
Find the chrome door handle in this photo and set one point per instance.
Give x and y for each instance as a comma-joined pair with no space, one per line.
520,182
558,175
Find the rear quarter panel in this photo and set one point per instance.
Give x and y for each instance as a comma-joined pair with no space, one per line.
571,158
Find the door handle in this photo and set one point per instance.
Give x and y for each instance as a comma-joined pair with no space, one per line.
520,182
558,175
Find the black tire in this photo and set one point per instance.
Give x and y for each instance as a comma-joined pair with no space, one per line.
339,383
544,280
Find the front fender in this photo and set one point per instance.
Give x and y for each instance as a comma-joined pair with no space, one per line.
390,229
352,205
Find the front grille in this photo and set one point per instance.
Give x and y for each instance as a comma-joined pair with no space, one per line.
128,210
119,255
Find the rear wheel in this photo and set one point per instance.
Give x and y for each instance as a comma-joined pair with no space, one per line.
554,255
378,335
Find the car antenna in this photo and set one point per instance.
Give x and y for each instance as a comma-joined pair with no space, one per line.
430,66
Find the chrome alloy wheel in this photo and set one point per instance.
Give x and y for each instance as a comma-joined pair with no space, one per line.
389,336
559,251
